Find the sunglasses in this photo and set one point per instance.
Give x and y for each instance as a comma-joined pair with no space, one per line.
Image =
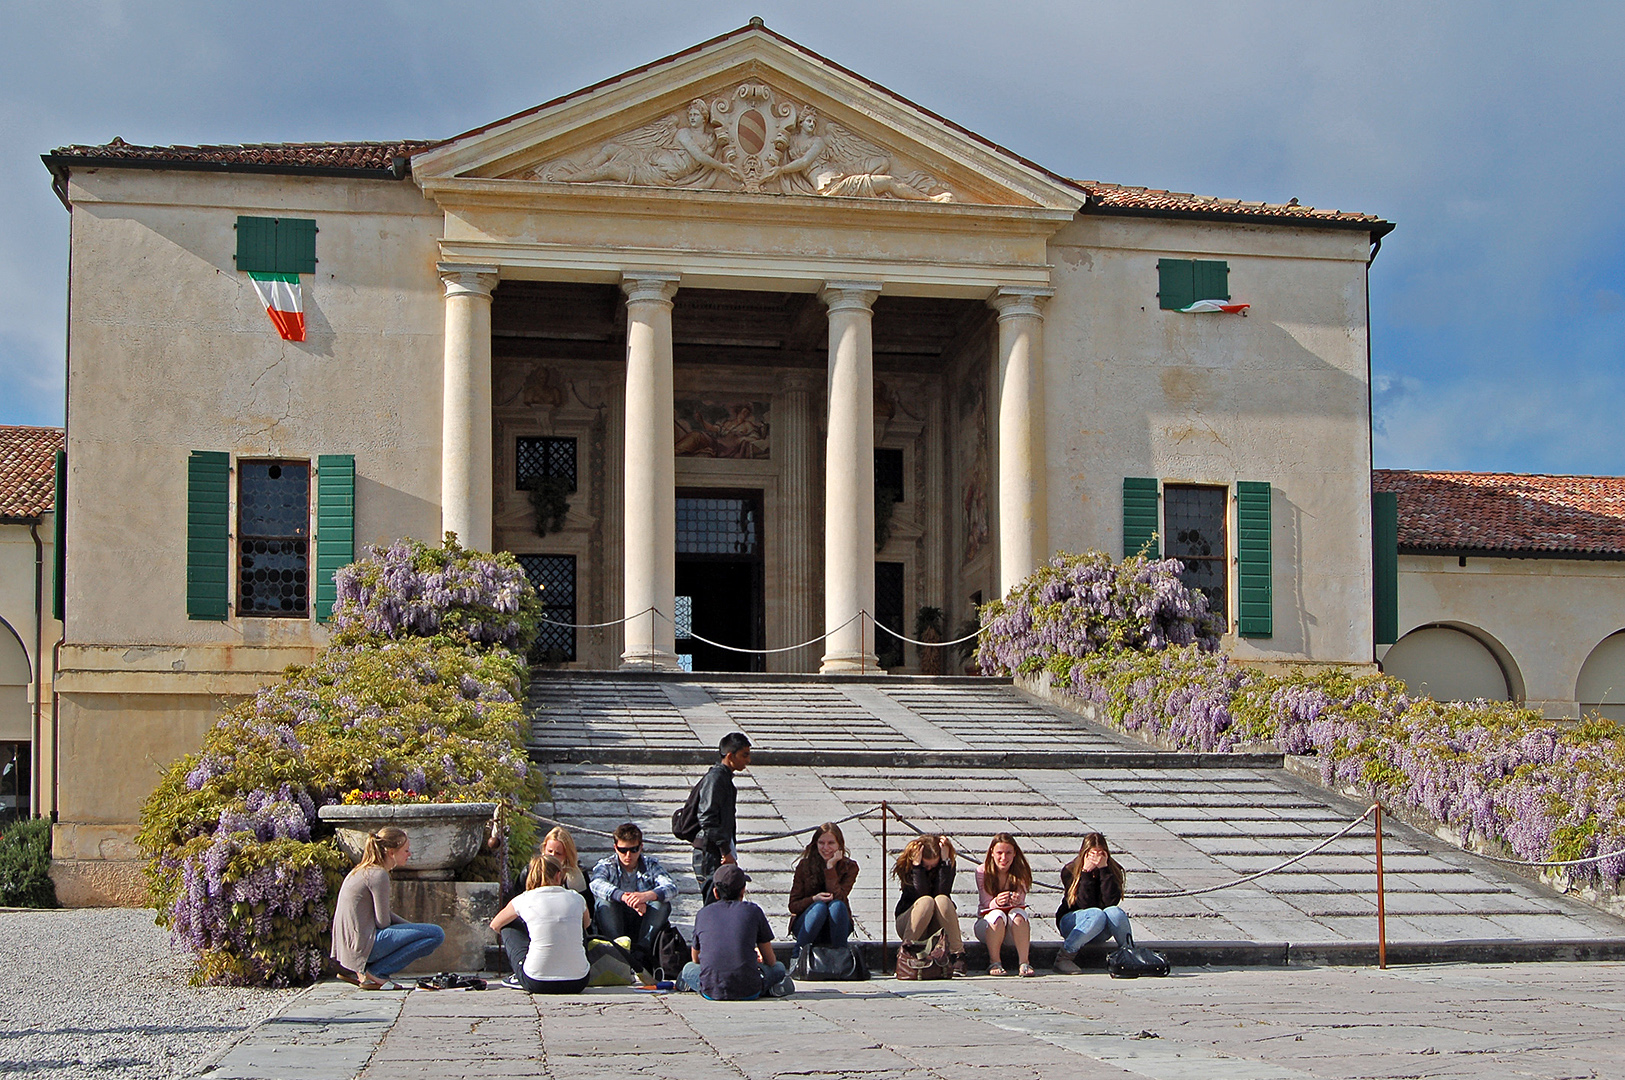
628,850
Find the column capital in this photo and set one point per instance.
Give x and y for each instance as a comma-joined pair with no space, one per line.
656,287
796,383
1020,301
467,279
849,295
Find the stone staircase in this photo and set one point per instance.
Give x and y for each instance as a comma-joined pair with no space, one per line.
969,757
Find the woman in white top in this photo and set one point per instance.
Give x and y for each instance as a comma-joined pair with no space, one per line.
541,929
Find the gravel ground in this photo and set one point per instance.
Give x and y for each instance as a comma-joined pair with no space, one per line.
101,992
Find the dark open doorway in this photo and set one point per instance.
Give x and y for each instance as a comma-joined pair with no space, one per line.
719,579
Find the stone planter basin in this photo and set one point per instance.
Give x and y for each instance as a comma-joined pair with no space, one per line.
445,836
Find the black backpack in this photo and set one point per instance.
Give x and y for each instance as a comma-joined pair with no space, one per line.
685,820
670,952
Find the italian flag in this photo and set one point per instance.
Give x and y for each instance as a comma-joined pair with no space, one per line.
280,295
1202,307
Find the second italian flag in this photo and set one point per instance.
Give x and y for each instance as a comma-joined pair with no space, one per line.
280,295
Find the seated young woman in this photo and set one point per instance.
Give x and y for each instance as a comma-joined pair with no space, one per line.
541,931
1001,903
561,845
371,942
819,912
1091,892
925,869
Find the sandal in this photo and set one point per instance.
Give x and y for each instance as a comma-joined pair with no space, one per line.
387,984
1027,971
997,970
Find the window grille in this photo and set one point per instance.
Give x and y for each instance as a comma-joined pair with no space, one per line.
1194,520
889,612
273,539
889,472
718,526
545,458
554,577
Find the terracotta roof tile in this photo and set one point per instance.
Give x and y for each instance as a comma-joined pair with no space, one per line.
1151,200
28,470
336,155
1464,511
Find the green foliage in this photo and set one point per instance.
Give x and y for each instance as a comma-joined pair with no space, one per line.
25,865
550,502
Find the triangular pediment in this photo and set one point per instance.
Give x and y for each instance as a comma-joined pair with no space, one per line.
750,112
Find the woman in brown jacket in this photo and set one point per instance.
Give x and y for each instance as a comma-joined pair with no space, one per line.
819,910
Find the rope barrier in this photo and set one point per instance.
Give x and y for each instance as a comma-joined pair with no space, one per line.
599,625
808,829
928,644
1553,862
761,652
1350,827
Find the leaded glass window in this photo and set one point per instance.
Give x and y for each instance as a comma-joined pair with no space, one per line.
718,526
889,613
554,577
545,458
1194,522
273,539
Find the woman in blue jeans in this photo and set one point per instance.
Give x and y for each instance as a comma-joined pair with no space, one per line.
1091,892
819,911
370,940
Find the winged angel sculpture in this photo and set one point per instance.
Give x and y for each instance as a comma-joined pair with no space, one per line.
721,147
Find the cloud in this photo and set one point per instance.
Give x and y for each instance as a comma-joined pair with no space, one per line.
1491,133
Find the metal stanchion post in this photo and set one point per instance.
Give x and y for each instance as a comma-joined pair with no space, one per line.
885,857
1382,911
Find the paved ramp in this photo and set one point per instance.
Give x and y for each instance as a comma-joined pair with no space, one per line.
620,748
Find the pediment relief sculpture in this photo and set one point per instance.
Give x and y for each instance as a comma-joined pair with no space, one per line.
749,139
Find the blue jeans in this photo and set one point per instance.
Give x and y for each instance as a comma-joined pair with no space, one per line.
772,975
396,946
615,920
822,924
1091,926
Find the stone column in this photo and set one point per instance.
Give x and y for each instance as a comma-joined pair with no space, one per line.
466,484
849,479
793,444
650,476
1023,516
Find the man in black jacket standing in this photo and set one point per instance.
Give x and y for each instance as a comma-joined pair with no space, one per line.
719,825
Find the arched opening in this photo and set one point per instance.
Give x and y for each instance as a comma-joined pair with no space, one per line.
1448,664
16,725
1601,686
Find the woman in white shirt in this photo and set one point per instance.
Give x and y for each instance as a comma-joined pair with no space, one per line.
541,930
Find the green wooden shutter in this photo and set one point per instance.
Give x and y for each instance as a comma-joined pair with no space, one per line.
1385,567
296,245
1212,280
1140,518
335,525
1176,283
208,529
1254,606
276,245
59,537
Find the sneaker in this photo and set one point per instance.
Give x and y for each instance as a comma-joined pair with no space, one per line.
783,988
1065,965
512,983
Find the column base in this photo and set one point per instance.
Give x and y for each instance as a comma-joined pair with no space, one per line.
851,663
649,660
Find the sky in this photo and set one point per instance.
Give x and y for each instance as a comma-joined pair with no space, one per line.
1490,133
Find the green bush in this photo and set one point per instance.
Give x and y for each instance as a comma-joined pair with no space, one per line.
25,865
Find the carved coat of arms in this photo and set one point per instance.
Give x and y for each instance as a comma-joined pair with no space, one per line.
753,140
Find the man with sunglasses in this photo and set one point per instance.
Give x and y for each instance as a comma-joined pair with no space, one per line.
631,892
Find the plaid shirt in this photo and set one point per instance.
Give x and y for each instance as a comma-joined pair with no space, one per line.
610,879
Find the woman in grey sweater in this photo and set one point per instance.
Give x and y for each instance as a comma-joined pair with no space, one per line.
369,940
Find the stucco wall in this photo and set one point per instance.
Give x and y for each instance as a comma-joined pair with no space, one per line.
171,351
1278,396
1542,616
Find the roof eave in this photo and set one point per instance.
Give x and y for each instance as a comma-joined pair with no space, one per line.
59,164
1458,551
1377,228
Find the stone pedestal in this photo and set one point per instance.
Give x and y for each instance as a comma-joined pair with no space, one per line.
463,909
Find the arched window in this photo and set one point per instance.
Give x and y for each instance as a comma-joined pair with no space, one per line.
1601,686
